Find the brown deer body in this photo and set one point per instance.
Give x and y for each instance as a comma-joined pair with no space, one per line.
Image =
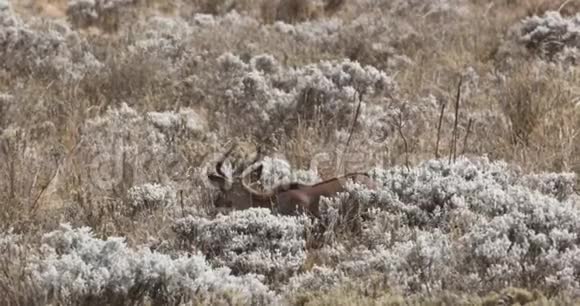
307,198
289,199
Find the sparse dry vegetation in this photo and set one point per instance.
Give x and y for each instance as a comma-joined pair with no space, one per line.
466,112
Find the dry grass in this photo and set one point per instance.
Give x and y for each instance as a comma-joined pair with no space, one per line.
352,296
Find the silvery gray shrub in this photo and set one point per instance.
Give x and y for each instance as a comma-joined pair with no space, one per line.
252,240
76,266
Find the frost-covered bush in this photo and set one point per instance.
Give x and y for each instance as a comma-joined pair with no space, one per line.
551,36
125,148
184,121
422,263
326,91
13,279
151,196
78,267
25,153
181,43
164,39
102,13
249,241
120,138
44,48
311,32
370,38
318,279
470,225
558,185
13,250
4,6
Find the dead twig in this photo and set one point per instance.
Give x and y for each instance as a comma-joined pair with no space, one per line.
351,131
453,156
467,136
400,129
443,105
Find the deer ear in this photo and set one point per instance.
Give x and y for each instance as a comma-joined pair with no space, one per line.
255,174
217,181
258,172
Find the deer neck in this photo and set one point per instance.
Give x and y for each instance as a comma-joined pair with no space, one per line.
264,200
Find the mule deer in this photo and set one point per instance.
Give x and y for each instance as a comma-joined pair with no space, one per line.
286,199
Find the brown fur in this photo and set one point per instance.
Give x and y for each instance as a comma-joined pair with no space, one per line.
292,199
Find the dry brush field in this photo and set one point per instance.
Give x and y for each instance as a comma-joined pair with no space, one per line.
465,112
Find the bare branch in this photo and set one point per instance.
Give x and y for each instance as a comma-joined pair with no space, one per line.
456,122
439,129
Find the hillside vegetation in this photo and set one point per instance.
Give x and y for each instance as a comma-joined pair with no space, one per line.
465,112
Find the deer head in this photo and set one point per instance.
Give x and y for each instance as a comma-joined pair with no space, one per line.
234,191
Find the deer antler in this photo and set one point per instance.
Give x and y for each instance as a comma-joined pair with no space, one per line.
219,164
253,167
